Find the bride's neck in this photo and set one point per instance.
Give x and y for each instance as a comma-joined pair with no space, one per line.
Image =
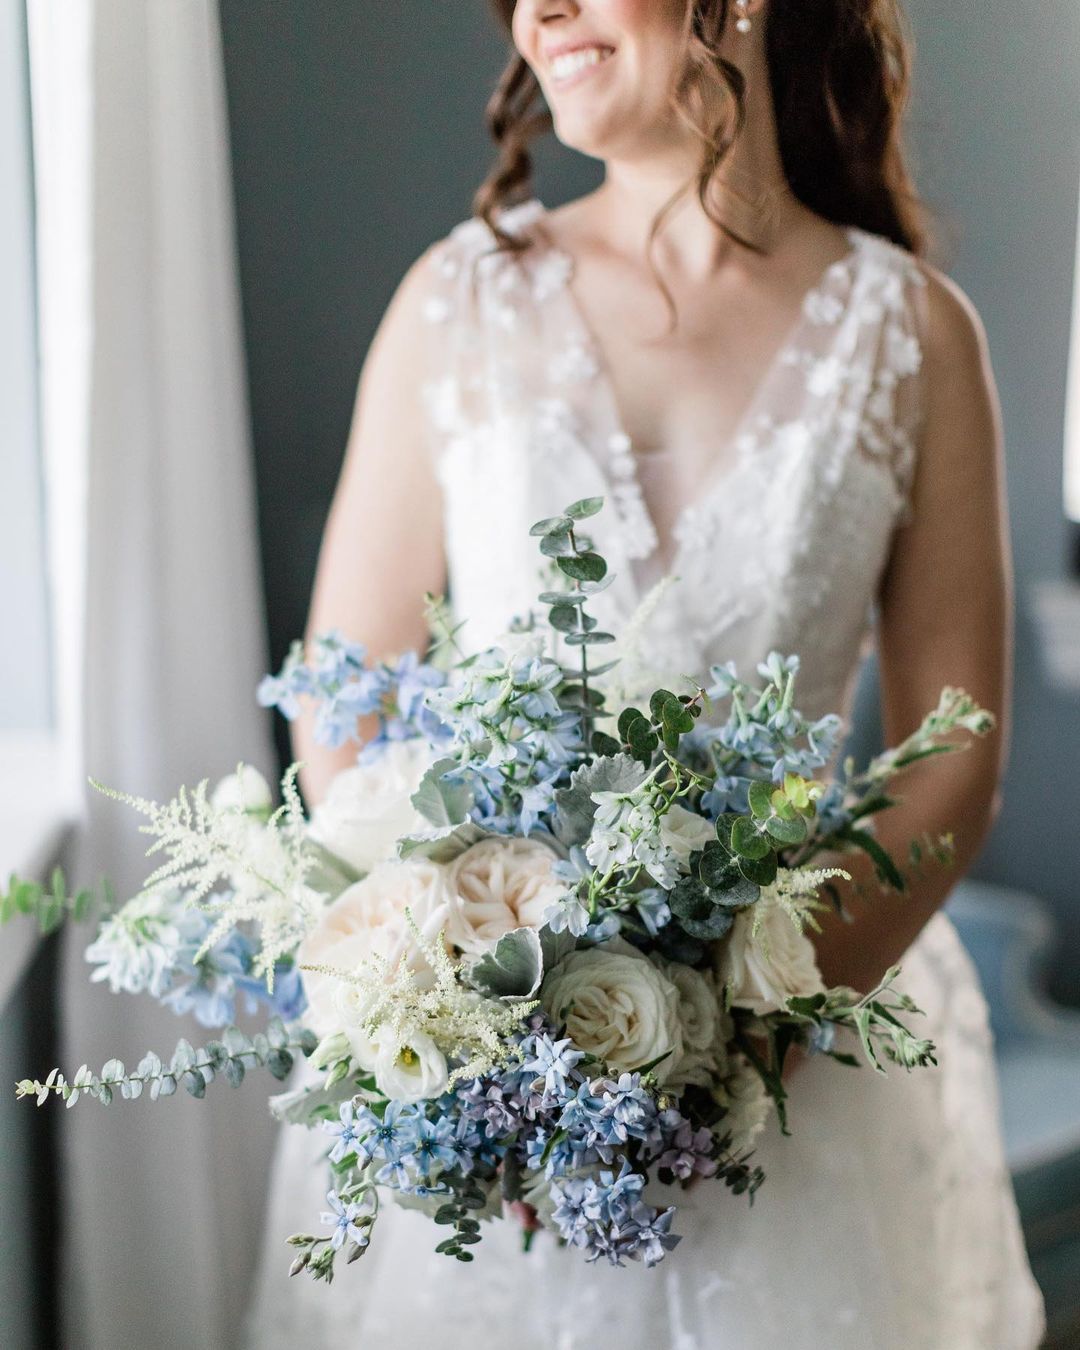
749,193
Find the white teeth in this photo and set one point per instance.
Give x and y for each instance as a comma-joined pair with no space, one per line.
569,63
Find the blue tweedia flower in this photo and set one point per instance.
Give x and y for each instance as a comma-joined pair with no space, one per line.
604,1215
553,1060
435,1143
342,1219
686,1152
351,1135
390,1136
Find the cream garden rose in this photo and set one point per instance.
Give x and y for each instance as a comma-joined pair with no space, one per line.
685,832
618,1005
496,886
748,1105
767,959
368,808
700,1024
369,920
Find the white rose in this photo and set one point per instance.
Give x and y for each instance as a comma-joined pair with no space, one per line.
765,969
368,920
704,1049
617,1005
412,1072
748,1106
246,791
496,886
685,832
367,808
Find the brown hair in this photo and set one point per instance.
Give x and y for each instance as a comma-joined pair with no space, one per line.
840,76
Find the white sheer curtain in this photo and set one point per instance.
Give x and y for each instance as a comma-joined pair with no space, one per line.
1072,407
157,609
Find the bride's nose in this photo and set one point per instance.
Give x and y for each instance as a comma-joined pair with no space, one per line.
550,11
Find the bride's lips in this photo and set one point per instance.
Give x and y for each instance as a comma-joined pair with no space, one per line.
574,62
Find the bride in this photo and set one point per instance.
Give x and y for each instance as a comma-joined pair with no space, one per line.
793,418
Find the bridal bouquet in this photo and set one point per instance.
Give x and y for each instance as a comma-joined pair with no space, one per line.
535,946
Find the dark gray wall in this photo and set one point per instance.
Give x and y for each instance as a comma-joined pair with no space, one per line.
357,140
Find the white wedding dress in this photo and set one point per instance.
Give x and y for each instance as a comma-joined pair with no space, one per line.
887,1220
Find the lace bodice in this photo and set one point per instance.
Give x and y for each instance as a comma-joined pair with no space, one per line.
783,542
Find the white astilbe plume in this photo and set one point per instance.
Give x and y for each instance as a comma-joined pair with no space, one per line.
396,1003
795,890
263,864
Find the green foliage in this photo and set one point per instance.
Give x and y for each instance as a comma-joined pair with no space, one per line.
193,1069
49,905
512,969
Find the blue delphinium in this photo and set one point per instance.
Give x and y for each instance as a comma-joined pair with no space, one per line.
345,688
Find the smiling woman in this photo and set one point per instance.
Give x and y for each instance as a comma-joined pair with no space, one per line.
813,442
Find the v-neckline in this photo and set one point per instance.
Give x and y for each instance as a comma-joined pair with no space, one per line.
617,437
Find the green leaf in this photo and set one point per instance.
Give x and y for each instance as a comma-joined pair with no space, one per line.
760,871
513,968
587,506
713,927
583,566
715,863
552,525
574,806
442,802
442,846
787,831
588,639
747,842
564,618
603,744
887,870
558,546
760,795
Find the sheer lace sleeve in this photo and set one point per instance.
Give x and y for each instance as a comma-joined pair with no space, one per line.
894,409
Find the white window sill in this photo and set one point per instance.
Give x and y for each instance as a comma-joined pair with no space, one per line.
35,821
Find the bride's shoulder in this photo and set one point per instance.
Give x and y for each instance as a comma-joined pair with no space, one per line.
954,333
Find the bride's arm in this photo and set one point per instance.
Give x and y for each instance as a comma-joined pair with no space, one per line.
382,545
945,618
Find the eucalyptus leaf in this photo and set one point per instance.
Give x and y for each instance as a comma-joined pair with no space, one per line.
787,831
552,525
587,506
746,840
581,566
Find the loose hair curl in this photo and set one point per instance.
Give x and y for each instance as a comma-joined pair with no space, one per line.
840,76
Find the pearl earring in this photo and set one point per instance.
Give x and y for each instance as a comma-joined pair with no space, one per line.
742,23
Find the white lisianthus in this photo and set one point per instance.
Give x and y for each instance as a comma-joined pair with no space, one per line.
411,1072
496,886
748,1105
685,832
700,1022
364,921
616,1004
246,791
367,808
767,959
